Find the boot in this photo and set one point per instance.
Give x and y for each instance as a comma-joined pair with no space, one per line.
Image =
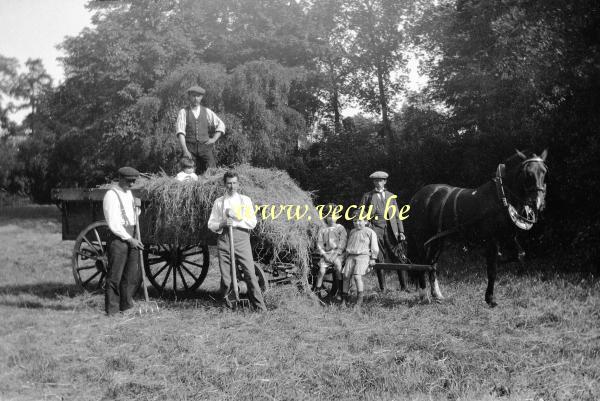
359,300
344,299
334,290
339,293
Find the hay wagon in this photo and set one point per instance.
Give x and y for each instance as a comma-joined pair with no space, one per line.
170,268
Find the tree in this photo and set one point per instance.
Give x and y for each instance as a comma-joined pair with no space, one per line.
32,85
376,40
524,74
8,77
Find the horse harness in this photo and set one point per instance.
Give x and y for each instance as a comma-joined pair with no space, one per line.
522,222
442,233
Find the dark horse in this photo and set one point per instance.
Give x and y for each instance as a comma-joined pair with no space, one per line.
491,214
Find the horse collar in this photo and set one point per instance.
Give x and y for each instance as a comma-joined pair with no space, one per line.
500,173
522,222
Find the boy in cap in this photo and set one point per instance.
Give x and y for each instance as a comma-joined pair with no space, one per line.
389,229
187,170
361,252
331,243
123,276
195,127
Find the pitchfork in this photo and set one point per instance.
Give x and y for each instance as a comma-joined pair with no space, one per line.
243,303
147,306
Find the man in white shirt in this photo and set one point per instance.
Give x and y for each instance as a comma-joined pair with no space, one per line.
123,276
234,209
195,124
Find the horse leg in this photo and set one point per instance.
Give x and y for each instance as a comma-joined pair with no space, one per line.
520,255
434,285
492,265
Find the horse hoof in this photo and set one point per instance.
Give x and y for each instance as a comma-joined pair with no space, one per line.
492,303
438,300
424,300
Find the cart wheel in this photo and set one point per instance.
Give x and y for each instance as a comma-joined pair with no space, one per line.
263,280
176,268
90,256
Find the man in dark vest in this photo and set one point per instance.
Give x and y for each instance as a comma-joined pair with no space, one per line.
198,128
389,229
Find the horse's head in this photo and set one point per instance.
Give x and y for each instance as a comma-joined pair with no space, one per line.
528,175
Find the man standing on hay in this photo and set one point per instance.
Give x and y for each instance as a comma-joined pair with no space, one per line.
195,127
123,276
389,228
237,210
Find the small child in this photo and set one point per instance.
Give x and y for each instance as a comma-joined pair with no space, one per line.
187,174
331,242
361,252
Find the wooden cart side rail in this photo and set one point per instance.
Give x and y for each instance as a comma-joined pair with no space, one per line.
88,194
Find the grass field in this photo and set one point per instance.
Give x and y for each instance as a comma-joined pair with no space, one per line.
541,343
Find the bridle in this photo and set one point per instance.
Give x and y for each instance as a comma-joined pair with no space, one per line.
530,218
536,159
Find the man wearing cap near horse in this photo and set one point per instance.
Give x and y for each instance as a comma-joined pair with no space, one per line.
123,276
389,228
198,129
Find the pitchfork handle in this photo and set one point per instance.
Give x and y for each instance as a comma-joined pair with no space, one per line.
141,254
234,282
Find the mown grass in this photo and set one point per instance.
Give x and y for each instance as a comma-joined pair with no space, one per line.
542,342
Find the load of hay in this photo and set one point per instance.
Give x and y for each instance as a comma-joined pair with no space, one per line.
180,211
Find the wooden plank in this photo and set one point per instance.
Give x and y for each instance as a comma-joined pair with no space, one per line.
89,194
401,267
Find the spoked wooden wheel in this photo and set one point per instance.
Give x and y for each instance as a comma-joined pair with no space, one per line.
175,268
90,256
263,279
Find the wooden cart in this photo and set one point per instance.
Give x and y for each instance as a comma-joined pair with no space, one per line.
170,268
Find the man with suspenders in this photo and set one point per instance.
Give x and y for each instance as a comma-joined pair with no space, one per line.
195,127
123,277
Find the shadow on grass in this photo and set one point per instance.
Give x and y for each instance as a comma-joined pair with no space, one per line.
39,296
43,290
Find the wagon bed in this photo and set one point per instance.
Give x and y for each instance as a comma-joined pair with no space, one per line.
171,268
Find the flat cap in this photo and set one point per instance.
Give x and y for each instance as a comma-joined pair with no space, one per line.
379,175
187,162
196,89
129,173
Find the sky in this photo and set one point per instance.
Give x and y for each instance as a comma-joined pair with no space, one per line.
33,29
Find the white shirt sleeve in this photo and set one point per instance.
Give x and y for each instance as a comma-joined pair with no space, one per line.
250,216
181,121
112,214
214,121
216,217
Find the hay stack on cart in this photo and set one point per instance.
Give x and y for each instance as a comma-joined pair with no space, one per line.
174,228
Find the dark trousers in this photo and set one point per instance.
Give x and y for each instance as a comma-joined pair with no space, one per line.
204,156
243,258
387,241
123,277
